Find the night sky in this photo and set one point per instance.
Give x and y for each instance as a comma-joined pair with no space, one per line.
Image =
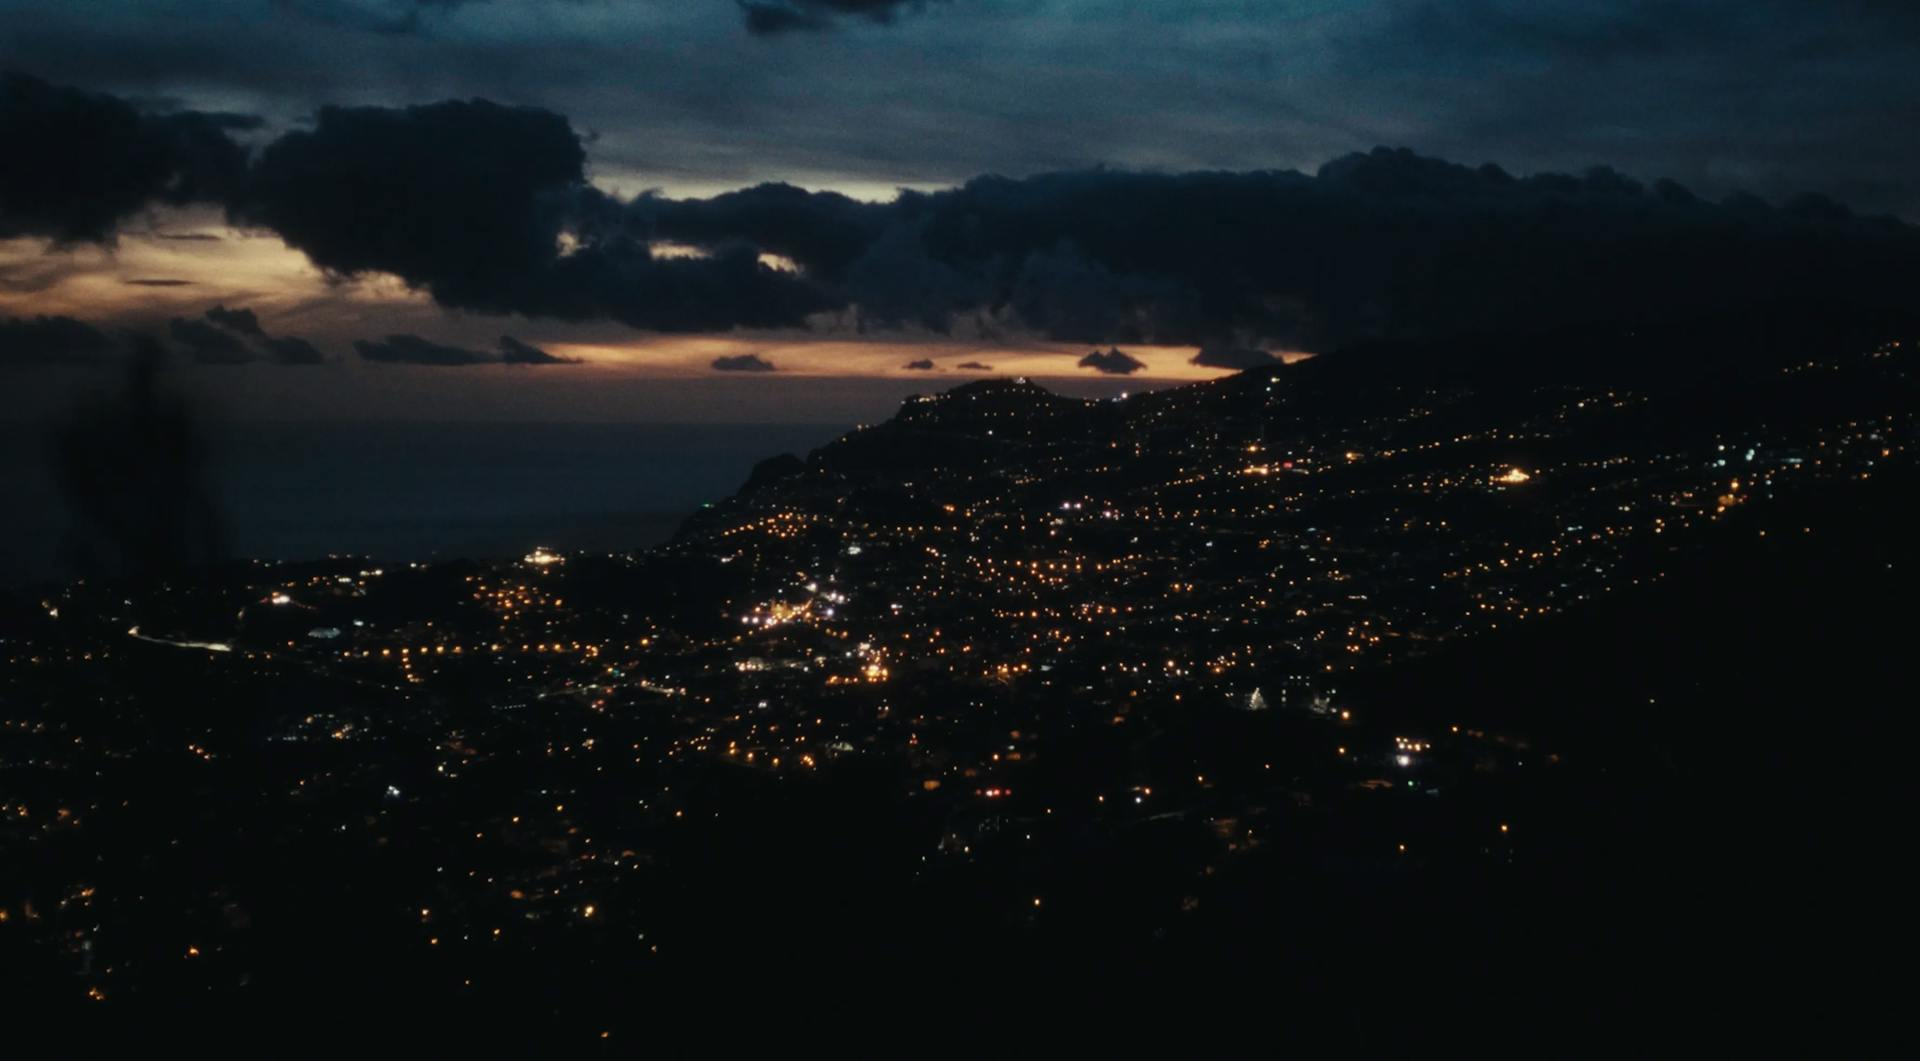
599,209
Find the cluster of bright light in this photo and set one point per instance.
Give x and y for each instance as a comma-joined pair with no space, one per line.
776,613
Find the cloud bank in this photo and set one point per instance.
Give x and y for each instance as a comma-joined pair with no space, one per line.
235,337
1114,362
413,350
742,363
515,352
80,163
487,208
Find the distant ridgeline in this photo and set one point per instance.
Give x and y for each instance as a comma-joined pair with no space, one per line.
1704,375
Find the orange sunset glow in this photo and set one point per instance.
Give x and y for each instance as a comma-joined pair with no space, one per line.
185,261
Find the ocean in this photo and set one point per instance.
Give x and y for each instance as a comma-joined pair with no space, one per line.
420,491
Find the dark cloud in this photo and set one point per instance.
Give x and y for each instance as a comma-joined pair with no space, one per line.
826,230
896,283
742,363
486,208
923,365
1384,244
1233,357
973,366
292,350
787,16
1113,362
157,282
240,320
465,199
515,352
78,163
413,350
239,339
618,279
207,344
52,341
